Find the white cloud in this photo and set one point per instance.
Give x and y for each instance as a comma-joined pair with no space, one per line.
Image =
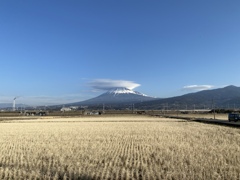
197,87
106,84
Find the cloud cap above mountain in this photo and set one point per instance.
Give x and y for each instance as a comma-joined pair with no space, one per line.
107,84
197,87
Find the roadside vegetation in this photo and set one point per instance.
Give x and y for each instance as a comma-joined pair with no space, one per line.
118,147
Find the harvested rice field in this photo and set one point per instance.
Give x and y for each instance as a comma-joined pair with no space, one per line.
117,147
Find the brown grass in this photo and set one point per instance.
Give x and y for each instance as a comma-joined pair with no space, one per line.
126,147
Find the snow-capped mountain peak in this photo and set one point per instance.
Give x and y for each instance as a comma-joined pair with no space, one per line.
118,95
122,90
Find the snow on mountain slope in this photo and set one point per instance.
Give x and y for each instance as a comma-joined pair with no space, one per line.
117,91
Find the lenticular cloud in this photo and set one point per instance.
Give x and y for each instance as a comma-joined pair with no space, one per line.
107,84
197,87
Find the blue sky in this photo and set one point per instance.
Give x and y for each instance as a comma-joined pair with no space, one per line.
53,51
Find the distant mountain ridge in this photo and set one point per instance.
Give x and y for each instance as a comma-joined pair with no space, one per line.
227,97
10,105
223,98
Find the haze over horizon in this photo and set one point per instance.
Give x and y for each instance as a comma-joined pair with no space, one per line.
67,51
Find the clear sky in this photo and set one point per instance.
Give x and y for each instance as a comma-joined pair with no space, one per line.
53,51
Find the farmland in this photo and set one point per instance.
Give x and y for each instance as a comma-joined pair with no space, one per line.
117,147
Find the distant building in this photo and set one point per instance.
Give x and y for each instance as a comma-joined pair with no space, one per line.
66,109
74,107
92,113
71,108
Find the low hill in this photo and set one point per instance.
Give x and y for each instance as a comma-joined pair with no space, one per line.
227,97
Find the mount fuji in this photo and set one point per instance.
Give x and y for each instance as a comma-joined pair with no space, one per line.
118,95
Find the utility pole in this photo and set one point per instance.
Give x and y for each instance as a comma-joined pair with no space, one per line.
163,109
177,110
213,107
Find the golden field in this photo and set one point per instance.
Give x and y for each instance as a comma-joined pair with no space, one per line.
117,147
